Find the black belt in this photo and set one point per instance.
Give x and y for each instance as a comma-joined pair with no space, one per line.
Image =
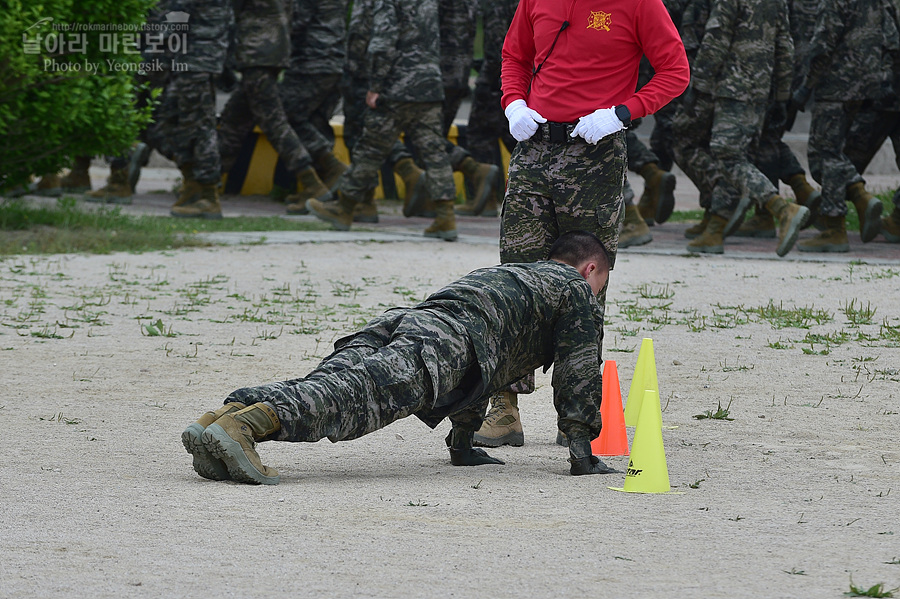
556,133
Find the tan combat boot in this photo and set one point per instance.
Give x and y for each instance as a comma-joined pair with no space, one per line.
695,231
711,241
116,191
444,225
791,218
658,200
761,225
204,463
79,179
233,437
204,203
366,211
329,169
869,210
502,425
311,188
832,238
415,186
806,195
634,230
338,212
483,178
890,225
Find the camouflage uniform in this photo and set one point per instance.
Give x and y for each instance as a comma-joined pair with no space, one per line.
310,86
745,59
263,49
457,30
444,358
185,121
403,62
487,123
850,63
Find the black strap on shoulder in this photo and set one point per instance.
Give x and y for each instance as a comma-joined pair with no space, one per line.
537,69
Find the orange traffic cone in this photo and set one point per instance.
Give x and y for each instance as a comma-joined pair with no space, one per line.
613,439
644,379
647,471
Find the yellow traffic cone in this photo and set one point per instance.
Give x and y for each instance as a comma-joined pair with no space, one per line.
644,379
647,471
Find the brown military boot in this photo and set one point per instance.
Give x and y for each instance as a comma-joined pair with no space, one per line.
116,191
329,169
791,218
483,178
311,188
444,225
79,179
204,203
806,195
832,238
711,241
658,200
695,231
502,425
869,210
338,212
189,190
204,463
634,230
49,186
415,186
890,225
761,225
233,437
366,211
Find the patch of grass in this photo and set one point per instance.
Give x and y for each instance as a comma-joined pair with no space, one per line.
720,413
684,216
858,315
802,318
876,590
67,227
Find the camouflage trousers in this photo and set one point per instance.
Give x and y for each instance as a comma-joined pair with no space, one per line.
828,164
258,102
774,157
353,96
406,362
691,149
639,155
662,138
184,130
487,124
421,123
309,102
555,188
870,129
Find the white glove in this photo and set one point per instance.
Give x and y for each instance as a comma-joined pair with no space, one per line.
523,121
597,125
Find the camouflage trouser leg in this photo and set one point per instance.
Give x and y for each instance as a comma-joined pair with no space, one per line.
487,124
453,98
557,188
827,162
306,100
186,131
736,128
421,122
773,157
400,363
639,155
662,138
691,148
258,102
868,132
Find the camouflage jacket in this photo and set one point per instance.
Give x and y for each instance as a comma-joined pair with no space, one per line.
203,45
693,25
852,51
457,30
318,34
263,33
496,15
747,52
404,55
520,317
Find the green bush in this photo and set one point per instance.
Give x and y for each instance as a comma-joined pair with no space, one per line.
51,108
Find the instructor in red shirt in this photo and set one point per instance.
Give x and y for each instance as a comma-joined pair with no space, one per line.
569,74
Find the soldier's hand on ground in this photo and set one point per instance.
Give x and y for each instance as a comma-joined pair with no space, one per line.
590,465
523,121
472,457
597,125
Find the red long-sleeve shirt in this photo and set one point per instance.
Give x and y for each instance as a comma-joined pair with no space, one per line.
595,61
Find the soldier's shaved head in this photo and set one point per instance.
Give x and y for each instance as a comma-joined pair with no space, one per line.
577,247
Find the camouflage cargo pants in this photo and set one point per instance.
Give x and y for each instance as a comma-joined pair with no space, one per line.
691,149
353,95
258,102
870,129
828,164
185,126
309,102
403,363
555,188
774,157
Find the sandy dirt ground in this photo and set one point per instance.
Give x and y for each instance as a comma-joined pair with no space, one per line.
105,359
